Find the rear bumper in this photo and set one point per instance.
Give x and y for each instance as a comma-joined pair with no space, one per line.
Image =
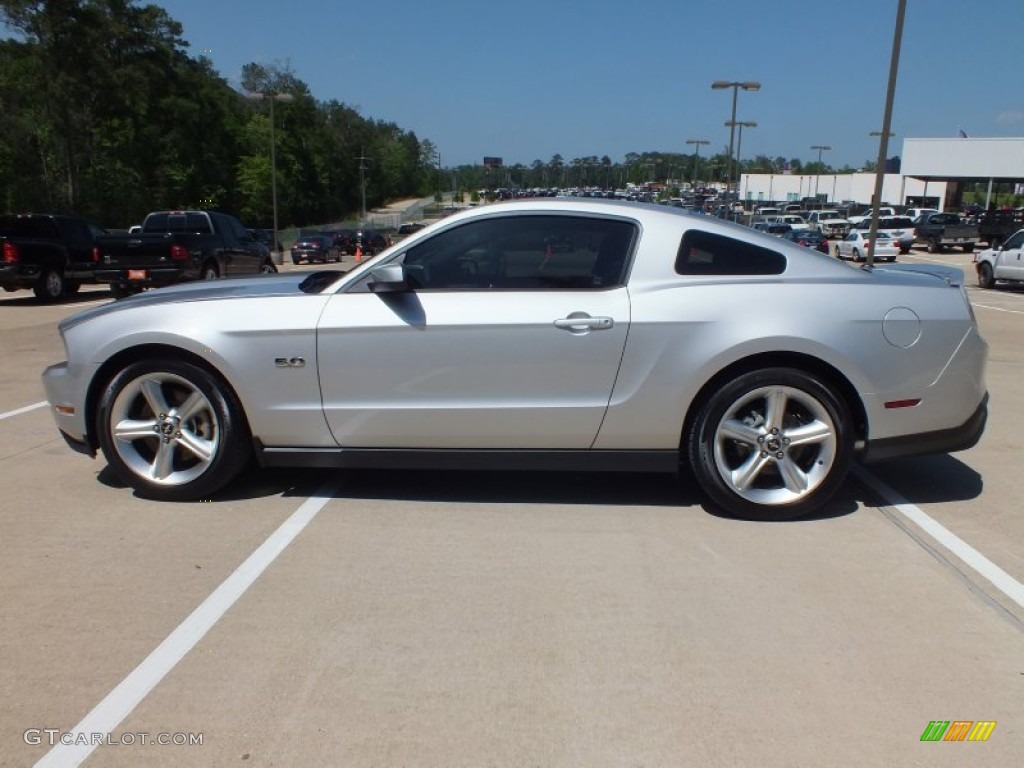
155,276
958,438
19,275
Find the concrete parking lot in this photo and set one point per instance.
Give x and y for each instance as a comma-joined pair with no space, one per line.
478,619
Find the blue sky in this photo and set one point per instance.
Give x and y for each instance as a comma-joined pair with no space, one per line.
525,79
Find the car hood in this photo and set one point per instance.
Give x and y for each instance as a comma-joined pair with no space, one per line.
211,290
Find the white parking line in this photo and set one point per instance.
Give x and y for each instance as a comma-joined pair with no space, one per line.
984,567
119,703
26,409
999,309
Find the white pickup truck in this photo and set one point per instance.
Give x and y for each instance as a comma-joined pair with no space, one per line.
828,222
1003,263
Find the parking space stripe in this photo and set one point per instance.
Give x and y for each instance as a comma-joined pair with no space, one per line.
119,703
999,309
19,411
984,567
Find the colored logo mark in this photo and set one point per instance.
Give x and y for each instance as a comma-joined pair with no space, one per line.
958,730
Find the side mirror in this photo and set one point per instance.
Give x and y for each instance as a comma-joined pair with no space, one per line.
389,278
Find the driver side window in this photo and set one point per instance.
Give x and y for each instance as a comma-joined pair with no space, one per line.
525,253
1014,242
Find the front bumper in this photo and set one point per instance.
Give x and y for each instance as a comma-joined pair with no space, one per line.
67,403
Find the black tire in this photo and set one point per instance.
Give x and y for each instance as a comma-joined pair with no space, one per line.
732,429
268,268
50,285
160,392
856,255
985,277
71,287
837,253
995,242
933,246
969,248
210,271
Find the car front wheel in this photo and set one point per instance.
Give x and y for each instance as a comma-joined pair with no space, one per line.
171,430
985,277
773,444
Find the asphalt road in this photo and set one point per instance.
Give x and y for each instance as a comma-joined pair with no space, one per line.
477,619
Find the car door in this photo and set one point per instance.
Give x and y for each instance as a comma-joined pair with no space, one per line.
510,336
1011,258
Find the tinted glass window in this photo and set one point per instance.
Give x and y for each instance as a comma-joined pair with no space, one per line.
524,253
703,253
1015,242
27,226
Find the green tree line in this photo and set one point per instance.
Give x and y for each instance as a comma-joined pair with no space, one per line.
635,168
105,114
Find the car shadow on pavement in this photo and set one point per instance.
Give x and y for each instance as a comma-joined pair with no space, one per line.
927,479
921,481
75,298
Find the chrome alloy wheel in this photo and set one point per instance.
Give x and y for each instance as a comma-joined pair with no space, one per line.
775,445
164,428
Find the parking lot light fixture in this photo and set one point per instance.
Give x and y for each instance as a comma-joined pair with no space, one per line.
746,85
821,148
696,157
272,97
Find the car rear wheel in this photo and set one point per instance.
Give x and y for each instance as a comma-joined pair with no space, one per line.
268,268
985,277
210,272
773,444
171,430
50,285
856,255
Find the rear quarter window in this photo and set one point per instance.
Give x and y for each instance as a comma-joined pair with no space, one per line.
704,253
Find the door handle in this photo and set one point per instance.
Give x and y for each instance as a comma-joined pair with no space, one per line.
581,322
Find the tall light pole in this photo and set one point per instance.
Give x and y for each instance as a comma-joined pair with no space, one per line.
696,157
739,144
362,184
883,142
821,148
746,85
272,97
902,177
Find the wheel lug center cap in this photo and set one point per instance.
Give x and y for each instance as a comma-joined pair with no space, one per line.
773,444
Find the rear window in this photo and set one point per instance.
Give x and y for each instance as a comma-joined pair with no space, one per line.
177,222
704,253
28,226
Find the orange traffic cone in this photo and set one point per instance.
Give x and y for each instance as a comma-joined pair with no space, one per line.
359,252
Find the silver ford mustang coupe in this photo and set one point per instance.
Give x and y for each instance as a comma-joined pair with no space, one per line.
546,334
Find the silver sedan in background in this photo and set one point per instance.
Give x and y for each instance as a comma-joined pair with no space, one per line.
542,334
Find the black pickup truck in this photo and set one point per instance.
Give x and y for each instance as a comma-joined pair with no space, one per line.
996,226
179,246
52,254
941,230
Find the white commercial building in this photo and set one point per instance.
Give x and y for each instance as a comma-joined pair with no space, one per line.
937,168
